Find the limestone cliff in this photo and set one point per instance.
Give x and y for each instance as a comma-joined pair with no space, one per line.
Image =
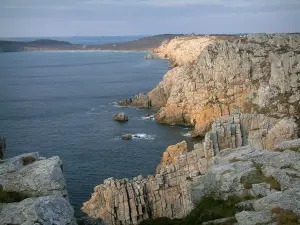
172,191
255,74
33,191
259,73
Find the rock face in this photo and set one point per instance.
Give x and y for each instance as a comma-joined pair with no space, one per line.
120,117
171,154
47,210
185,49
183,179
43,186
256,130
164,194
258,73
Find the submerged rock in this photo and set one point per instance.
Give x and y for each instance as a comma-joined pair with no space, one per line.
127,137
120,117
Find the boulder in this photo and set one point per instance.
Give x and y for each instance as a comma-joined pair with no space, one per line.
127,137
253,218
30,175
150,56
120,117
47,210
33,191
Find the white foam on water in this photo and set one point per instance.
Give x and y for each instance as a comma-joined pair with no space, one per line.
188,134
116,104
143,136
151,117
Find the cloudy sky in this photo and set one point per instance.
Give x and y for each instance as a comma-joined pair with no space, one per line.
29,18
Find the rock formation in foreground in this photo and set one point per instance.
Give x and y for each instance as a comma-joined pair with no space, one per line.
33,191
259,73
231,161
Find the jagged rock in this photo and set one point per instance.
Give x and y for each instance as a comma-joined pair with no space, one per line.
258,73
288,144
120,117
40,182
47,210
255,130
181,182
127,137
38,178
289,199
171,154
150,56
253,218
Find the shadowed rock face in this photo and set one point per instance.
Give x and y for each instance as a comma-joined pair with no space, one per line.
183,178
256,74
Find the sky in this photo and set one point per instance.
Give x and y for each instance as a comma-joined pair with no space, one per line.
52,18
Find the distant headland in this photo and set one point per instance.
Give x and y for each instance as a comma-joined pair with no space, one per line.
142,44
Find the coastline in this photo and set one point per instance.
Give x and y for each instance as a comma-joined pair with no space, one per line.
233,121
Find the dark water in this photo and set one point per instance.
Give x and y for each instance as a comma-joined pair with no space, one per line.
61,103
96,40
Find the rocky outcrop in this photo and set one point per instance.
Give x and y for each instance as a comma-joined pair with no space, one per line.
46,210
256,130
258,73
126,137
164,194
183,179
185,49
41,190
171,154
120,117
150,56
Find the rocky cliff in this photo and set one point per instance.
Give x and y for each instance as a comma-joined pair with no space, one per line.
184,178
259,73
33,191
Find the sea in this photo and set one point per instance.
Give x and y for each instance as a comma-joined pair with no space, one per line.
61,103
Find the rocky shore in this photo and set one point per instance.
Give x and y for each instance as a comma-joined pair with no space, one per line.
258,73
242,95
230,162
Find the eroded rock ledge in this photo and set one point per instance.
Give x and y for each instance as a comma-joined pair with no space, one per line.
259,73
219,166
33,191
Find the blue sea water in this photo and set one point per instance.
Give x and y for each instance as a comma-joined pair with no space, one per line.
61,103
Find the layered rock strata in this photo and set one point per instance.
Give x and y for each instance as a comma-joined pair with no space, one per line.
169,192
41,187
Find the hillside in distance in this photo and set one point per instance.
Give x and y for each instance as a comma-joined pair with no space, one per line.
142,44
